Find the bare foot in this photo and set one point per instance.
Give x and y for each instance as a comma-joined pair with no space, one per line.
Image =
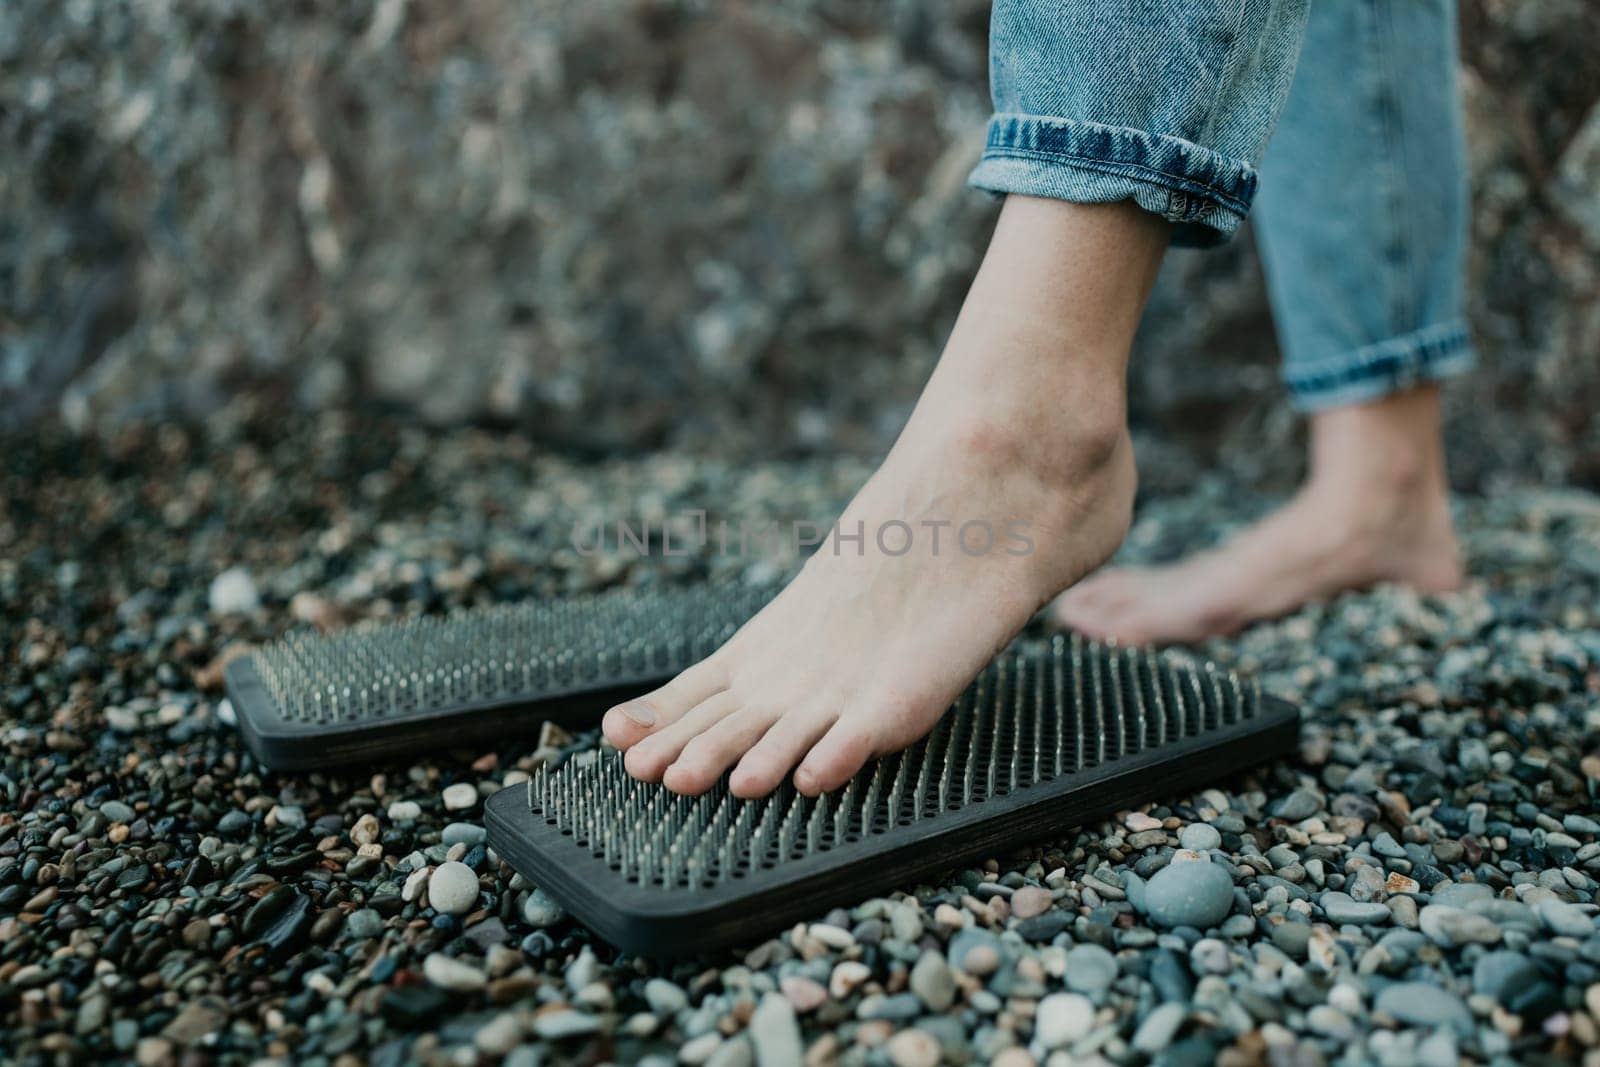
1021,429
1375,509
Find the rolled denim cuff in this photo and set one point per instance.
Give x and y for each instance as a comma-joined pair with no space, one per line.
1390,366
1204,194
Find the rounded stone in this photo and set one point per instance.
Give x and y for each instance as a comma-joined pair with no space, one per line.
1342,909
460,797
1029,901
914,1048
1090,970
932,981
117,811
453,888
1502,974
665,998
1063,1018
1200,837
452,974
1424,1004
1189,894
540,911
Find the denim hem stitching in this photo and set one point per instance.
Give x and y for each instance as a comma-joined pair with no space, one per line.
1003,141
1176,182
1400,359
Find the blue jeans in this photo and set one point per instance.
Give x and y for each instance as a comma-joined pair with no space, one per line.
1362,197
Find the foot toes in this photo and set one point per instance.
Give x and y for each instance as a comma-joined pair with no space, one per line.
707,755
649,758
830,763
765,765
632,721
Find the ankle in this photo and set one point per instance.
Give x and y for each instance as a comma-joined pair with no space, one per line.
1386,451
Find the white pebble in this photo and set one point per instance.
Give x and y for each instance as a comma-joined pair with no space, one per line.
1062,1019
452,974
404,810
233,592
460,797
453,889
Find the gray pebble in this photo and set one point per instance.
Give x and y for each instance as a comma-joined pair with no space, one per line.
1424,1004
1341,909
540,911
1189,894
1090,970
665,998
117,811
1158,1029
775,1032
1563,919
932,981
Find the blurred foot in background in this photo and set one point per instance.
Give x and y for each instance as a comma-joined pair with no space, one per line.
1361,217
1375,508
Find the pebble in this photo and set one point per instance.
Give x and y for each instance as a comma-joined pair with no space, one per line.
1297,805
1030,901
452,974
775,1032
116,811
1341,909
233,592
1563,919
913,1048
1448,927
933,982
976,951
847,978
1189,894
1502,974
805,994
1199,837
1062,1019
1090,970
458,797
1158,1029
1424,1004
365,830
539,910
453,888
665,998
561,1025
499,1035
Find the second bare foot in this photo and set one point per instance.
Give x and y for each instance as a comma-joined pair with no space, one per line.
1375,509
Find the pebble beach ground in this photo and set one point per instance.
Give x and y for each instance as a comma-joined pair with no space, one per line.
1415,886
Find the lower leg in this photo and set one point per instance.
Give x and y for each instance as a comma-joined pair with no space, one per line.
1022,421
1374,508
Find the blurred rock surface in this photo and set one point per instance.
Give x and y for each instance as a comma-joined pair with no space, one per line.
624,224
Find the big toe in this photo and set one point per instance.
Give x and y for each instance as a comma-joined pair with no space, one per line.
630,722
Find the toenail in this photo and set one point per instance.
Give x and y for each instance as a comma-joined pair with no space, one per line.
639,713
805,778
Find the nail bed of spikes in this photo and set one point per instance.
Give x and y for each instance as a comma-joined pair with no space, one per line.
499,655
1027,720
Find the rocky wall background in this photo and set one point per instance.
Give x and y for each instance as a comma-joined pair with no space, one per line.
620,224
